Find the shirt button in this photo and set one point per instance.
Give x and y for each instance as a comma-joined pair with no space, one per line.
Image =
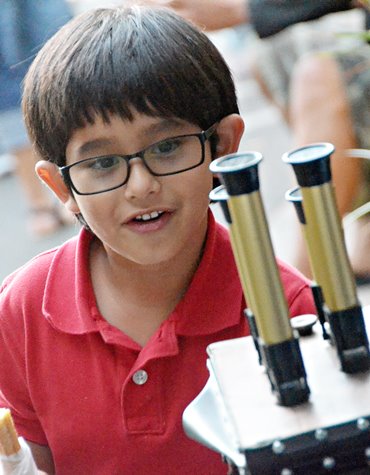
140,377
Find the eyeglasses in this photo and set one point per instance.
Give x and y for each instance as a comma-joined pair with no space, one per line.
108,172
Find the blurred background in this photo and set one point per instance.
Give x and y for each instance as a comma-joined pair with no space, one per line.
266,132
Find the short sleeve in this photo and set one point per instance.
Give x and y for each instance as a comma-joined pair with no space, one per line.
14,393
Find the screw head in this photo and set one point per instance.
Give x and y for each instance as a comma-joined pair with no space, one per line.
321,434
278,447
362,423
328,463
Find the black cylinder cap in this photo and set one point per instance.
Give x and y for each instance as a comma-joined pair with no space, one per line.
238,172
294,196
311,164
219,195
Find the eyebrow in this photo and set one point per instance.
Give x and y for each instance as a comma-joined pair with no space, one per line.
93,145
162,126
152,129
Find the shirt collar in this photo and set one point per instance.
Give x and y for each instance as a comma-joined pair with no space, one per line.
69,302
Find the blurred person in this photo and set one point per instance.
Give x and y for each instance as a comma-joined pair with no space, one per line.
320,81
324,96
6,165
24,26
329,102
268,17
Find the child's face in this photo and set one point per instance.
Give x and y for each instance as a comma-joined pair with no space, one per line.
118,217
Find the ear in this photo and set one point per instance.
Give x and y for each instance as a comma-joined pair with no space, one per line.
229,131
49,174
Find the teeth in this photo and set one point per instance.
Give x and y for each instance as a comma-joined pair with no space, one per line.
147,217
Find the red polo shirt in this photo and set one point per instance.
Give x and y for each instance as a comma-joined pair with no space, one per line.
103,404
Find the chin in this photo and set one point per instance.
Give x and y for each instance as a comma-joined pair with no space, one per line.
147,257
150,261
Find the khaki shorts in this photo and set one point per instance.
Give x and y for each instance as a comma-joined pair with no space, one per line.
275,60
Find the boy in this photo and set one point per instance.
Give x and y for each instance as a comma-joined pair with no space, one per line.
105,337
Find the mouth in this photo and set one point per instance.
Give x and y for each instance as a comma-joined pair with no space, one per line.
149,222
148,217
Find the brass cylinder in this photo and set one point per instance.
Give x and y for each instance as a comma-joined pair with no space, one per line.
325,242
256,259
220,196
277,346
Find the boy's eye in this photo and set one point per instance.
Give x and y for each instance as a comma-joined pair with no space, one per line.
104,163
166,147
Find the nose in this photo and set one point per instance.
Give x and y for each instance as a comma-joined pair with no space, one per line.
141,182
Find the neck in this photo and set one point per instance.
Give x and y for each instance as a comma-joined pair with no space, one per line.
149,284
138,298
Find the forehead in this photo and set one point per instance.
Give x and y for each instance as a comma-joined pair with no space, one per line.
121,135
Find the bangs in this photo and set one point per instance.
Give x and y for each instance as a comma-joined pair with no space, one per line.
139,66
117,61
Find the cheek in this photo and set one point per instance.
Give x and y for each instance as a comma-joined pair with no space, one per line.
205,178
200,188
95,208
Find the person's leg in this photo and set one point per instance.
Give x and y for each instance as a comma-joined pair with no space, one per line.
35,193
44,215
270,62
320,112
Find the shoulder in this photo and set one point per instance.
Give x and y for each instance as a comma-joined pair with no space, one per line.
34,271
297,289
29,281
291,276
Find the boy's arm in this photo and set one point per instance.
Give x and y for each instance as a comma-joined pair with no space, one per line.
268,17
17,456
14,393
43,458
208,14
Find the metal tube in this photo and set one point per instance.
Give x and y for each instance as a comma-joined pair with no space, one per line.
328,255
220,196
295,196
255,257
261,278
336,276
323,232
267,299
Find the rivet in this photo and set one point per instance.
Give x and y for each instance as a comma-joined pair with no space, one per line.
362,423
328,463
278,447
286,471
367,453
321,434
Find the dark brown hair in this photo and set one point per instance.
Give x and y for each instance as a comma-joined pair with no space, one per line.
116,60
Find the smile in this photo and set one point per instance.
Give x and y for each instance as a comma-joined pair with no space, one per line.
148,216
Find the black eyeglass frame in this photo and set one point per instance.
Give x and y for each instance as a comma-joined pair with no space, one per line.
203,136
